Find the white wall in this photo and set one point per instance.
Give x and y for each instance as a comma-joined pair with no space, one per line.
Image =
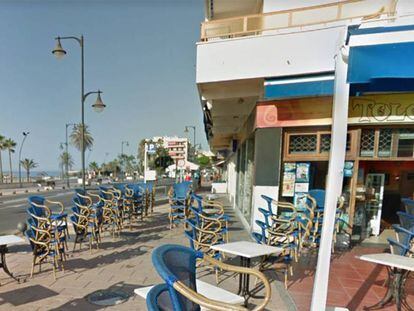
280,5
232,179
267,56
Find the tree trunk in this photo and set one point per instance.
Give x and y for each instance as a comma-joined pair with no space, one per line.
28,174
1,169
11,171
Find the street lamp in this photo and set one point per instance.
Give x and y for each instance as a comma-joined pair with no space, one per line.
194,141
124,142
98,106
20,158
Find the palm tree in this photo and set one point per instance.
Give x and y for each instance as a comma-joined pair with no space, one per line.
9,145
28,164
65,160
2,138
76,137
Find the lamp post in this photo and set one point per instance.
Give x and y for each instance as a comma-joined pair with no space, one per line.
67,154
194,141
124,142
20,158
98,106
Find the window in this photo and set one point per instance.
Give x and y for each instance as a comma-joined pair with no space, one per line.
385,143
367,142
314,145
302,144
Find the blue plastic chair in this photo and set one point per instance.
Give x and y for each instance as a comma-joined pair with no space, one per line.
406,220
408,205
401,246
176,264
158,298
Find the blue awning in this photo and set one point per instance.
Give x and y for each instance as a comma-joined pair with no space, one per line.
304,86
383,61
380,59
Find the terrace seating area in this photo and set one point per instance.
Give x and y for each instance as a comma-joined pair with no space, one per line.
123,259
94,214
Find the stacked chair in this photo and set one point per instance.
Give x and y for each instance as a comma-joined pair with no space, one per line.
179,200
111,213
47,233
176,265
293,228
87,218
280,229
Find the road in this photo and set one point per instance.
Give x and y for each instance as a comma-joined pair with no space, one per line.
13,207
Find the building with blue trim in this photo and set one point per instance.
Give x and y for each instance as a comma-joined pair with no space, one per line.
316,97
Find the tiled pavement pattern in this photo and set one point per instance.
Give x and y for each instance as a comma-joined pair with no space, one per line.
123,263
352,283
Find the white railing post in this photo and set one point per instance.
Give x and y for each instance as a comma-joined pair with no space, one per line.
334,178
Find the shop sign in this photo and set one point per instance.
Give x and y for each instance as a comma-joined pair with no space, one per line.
386,110
317,111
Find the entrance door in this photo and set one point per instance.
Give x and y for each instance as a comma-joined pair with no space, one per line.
374,186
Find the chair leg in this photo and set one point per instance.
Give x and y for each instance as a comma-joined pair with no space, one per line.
54,267
33,265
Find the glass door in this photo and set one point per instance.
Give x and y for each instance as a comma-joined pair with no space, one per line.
374,185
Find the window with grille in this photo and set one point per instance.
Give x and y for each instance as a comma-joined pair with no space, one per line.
302,144
385,143
367,142
325,143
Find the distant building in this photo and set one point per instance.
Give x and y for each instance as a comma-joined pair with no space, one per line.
177,146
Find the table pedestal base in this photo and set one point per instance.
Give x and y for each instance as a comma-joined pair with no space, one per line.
3,265
395,290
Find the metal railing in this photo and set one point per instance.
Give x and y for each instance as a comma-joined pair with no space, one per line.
256,24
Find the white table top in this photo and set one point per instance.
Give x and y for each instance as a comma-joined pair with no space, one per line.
397,261
10,240
247,249
205,289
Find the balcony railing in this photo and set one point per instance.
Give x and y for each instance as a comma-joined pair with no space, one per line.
256,24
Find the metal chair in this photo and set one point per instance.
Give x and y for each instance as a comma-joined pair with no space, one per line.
44,247
43,207
85,225
111,218
176,265
179,201
408,205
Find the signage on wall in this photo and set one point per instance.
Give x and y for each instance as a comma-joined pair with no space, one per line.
289,175
367,109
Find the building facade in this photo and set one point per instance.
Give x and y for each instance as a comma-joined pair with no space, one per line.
279,82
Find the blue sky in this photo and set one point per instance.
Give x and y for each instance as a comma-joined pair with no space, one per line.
141,54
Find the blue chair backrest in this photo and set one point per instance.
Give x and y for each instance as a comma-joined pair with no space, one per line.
158,298
37,211
408,205
39,200
120,187
319,196
181,190
406,220
177,263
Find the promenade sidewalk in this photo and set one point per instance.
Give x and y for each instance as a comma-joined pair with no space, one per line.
123,263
